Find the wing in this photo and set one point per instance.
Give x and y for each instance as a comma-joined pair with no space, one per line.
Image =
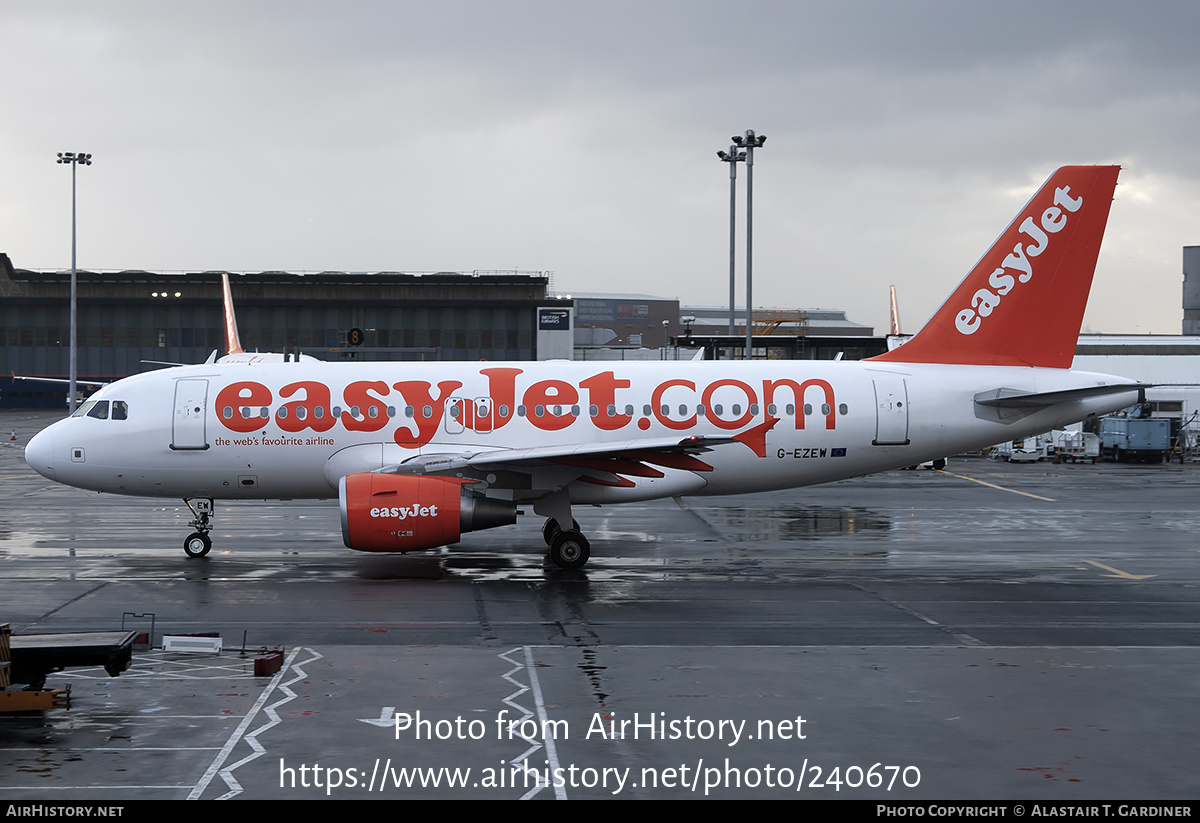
551,467
541,470
64,381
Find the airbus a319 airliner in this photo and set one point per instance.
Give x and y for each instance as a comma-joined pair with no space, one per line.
419,453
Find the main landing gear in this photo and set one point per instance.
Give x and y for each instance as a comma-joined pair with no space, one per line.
569,549
198,543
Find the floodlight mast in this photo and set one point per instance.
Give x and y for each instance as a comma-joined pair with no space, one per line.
74,159
749,141
732,157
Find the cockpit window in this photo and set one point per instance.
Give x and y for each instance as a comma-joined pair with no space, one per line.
99,409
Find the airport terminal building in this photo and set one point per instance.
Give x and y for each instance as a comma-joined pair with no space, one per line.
127,318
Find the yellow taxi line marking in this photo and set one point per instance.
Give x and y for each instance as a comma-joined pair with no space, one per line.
1119,573
994,486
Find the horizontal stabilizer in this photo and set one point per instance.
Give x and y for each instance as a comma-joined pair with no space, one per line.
1004,398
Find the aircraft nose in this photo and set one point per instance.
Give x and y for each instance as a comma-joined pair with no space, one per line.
39,454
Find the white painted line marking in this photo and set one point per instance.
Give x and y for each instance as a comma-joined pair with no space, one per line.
235,788
545,742
387,718
560,792
524,712
240,731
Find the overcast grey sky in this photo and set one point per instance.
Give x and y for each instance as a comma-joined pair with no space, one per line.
581,138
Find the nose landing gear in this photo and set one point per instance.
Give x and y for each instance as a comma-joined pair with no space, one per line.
198,543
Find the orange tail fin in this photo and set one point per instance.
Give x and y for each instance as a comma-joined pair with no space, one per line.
1022,304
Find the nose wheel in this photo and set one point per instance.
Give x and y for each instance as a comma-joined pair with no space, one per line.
198,543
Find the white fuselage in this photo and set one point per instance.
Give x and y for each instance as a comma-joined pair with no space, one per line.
292,430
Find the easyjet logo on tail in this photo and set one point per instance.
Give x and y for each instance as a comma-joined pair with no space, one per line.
1017,267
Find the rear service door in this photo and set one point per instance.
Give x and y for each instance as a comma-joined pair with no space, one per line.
891,411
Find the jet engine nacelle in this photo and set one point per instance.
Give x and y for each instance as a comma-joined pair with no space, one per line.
402,513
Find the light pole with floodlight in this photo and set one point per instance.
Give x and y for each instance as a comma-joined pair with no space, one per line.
74,159
732,157
750,141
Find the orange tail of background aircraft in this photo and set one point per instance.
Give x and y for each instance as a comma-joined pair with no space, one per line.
1023,303
232,344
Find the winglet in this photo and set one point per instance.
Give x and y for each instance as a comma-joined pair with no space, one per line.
1023,303
232,344
756,438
